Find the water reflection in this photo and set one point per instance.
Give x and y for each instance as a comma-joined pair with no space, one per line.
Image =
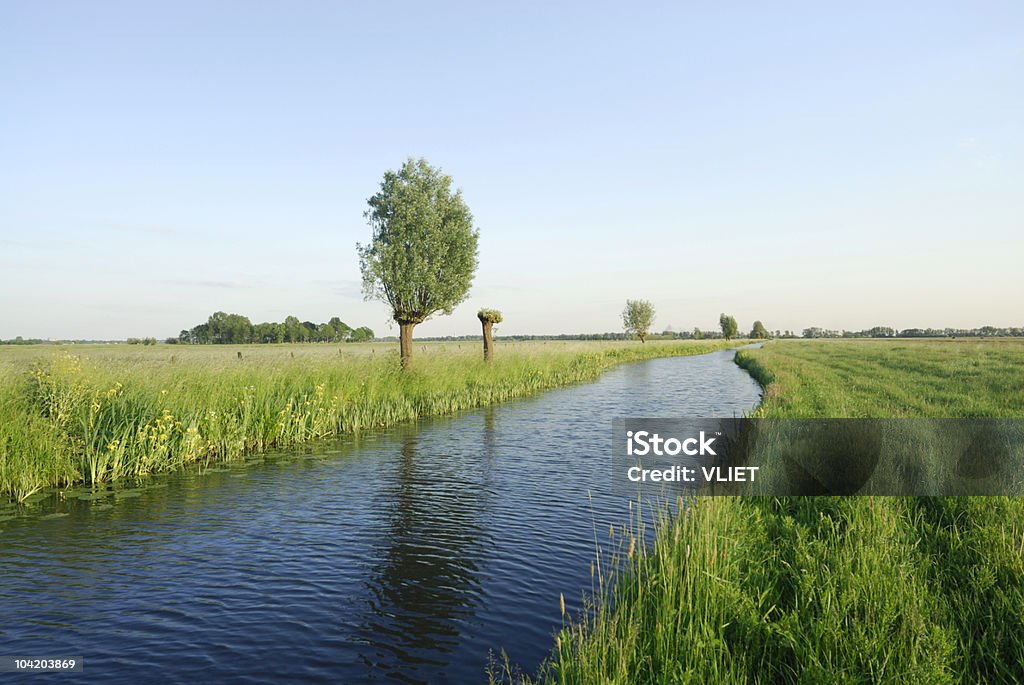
426,586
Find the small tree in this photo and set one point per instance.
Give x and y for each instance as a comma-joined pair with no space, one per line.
423,254
759,332
488,317
637,318
729,326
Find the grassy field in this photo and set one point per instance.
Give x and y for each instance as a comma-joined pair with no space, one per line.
878,378
101,413
826,589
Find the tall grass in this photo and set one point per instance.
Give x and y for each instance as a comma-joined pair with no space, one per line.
777,592
98,414
827,589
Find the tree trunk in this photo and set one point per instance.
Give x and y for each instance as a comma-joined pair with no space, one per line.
405,341
488,341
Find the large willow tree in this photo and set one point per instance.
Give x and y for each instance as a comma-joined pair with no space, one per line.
423,254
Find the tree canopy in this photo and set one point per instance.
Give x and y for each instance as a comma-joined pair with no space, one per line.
637,318
729,326
759,332
489,316
423,253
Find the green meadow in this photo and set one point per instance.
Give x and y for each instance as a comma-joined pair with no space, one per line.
965,378
820,589
102,413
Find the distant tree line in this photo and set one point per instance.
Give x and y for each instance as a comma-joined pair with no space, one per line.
519,338
221,328
889,332
527,338
234,329
758,331
22,341
39,341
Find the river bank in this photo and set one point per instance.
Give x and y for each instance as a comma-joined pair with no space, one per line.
825,589
95,414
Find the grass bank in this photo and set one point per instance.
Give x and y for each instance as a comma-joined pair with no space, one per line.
103,413
826,589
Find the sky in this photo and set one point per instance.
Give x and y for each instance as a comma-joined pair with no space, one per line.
840,165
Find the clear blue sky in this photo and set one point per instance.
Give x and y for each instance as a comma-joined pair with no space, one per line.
803,164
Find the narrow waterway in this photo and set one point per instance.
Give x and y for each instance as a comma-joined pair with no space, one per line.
403,556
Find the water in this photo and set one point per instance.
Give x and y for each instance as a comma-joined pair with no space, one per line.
403,556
